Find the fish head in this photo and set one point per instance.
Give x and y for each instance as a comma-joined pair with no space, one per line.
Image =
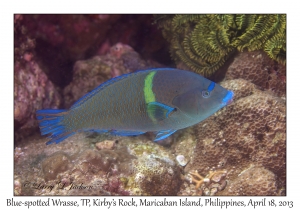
204,100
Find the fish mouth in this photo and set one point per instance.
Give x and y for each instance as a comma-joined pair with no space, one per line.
228,99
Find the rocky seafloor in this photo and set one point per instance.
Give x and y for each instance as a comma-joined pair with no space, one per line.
240,150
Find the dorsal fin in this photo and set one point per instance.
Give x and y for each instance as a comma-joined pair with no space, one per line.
109,82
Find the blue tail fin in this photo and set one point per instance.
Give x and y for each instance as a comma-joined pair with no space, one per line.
50,122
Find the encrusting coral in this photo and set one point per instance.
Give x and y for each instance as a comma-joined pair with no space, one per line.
253,181
251,132
258,68
32,88
135,166
204,42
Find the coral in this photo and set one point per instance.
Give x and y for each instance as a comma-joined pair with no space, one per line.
199,180
17,187
32,88
241,88
204,42
106,144
32,91
67,38
254,181
115,185
142,35
132,61
155,172
18,153
252,130
258,68
183,144
94,161
212,183
155,176
88,74
135,166
55,164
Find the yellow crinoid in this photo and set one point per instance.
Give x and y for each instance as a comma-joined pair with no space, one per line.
203,43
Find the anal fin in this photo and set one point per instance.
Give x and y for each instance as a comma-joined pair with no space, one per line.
163,134
126,133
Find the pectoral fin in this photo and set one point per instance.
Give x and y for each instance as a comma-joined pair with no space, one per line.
163,134
158,111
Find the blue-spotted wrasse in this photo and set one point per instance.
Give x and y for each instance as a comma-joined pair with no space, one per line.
160,100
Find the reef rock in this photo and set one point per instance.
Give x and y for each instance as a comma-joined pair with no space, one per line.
135,166
257,67
32,88
250,131
88,74
253,181
32,91
74,35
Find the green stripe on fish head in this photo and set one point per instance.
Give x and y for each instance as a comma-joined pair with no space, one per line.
149,94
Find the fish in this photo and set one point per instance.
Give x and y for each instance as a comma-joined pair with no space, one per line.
159,100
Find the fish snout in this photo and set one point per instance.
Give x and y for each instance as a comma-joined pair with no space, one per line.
228,99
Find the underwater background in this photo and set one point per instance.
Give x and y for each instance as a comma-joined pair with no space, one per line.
240,150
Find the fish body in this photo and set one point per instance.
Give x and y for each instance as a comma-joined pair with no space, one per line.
159,100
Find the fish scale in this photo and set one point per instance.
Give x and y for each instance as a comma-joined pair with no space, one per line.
159,100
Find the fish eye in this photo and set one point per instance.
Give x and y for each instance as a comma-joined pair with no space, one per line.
205,93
